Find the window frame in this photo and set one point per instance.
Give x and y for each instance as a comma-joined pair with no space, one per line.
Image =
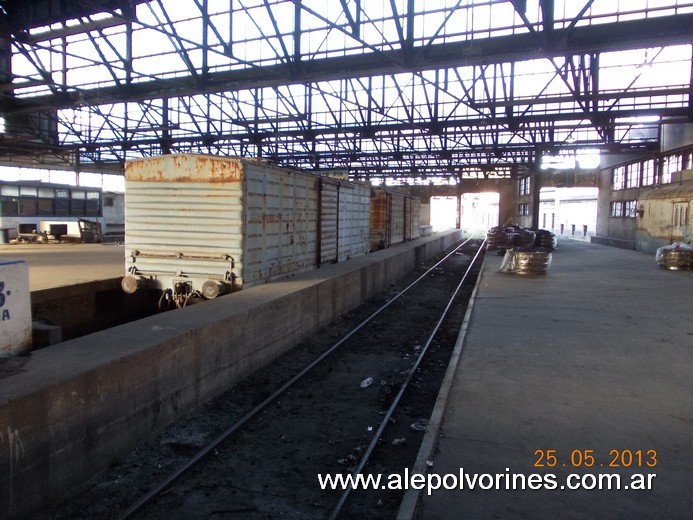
616,213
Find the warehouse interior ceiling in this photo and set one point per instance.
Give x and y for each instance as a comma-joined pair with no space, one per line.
405,90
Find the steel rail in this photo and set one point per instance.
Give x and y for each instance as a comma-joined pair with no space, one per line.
195,459
386,419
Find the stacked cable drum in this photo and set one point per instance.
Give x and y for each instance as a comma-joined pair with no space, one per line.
528,252
675,257
545,239
499,237
526,262
523,238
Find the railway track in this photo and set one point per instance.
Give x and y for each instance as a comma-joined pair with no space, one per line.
352,399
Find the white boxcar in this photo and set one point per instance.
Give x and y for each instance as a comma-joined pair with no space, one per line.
198,226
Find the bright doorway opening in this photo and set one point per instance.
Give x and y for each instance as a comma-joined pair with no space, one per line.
479,212
569,212
443,213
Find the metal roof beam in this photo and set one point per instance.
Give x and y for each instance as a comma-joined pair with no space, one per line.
634,34
29,14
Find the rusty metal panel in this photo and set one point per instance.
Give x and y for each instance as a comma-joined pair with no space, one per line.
397,216
183,168
379,218
415,218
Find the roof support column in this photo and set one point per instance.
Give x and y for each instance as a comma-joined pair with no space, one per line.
5,63
507,202
548,14
205,40
410,29
458,220
536,198
297,33
690,96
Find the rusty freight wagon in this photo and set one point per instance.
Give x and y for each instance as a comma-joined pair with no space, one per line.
199,226
395,217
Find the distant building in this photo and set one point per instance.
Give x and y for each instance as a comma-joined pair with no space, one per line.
479,211
569,211
58,210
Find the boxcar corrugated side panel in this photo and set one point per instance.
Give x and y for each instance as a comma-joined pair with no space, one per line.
394,218
415,217
354,217
397,217
280,225
195,218
182,216
329,220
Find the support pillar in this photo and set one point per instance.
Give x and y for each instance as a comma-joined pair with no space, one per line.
536,199
458,220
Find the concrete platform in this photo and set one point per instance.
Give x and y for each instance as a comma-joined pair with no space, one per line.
67,410
75,286
596,355
59,265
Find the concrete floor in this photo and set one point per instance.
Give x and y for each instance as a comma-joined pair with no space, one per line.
596,355
58,265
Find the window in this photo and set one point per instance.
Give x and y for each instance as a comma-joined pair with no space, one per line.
680,215
648,172
46,206
8,206
525,186
31,201
523,209
633,175
630,208
671,165
627,209
28,206
108,202
93,203
619,178
77,204
62,202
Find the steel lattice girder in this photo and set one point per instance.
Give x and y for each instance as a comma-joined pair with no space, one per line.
438,107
